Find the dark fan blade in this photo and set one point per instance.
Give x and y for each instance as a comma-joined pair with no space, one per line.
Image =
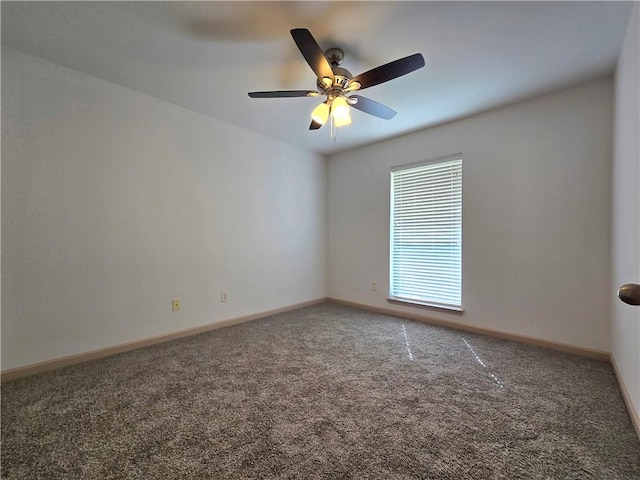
389,71
371,107
312,52
283,94
315,125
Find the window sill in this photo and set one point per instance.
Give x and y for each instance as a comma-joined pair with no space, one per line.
439,306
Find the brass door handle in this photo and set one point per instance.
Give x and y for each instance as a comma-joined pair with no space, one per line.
630,293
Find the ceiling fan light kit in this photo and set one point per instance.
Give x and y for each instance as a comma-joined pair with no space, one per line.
336,82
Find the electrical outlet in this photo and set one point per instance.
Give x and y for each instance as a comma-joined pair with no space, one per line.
176,304
374,287
223,296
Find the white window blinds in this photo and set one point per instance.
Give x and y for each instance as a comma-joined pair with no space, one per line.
426,232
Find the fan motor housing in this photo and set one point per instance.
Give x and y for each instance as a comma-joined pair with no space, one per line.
341,76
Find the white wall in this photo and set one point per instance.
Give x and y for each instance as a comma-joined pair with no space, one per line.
114,202
536,216
625,331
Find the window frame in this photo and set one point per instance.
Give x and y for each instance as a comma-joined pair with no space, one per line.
458,308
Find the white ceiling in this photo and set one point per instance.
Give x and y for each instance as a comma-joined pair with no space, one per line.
206,56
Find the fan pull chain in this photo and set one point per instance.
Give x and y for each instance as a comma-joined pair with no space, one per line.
333,129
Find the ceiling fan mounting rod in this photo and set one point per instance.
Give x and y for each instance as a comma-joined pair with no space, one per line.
334,56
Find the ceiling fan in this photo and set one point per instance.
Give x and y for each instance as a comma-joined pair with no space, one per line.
337,83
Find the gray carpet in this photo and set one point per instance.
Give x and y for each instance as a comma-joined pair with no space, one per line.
325,392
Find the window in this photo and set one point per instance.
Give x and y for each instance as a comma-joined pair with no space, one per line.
426,233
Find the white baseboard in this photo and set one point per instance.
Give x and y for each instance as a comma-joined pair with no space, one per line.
563,347
633,413
32,369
